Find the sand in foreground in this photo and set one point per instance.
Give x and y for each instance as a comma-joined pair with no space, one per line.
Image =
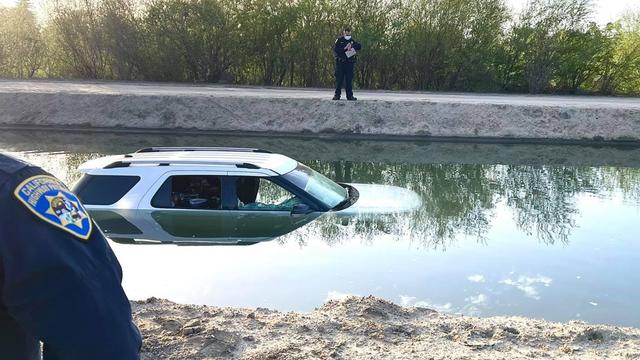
367,328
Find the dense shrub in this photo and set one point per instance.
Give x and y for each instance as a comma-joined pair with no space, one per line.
552,46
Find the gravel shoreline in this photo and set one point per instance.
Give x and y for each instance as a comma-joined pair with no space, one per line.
367,328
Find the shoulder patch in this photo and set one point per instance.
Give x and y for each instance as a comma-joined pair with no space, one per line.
50,200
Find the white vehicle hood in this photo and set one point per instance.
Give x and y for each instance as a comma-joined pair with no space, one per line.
382,199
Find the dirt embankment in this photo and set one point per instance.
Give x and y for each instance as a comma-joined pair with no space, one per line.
367,328
297,111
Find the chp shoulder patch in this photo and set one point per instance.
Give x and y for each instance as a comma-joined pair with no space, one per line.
50,200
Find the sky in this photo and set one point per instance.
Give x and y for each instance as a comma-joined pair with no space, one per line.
606,10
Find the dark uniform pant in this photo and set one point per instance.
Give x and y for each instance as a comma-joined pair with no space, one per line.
344,74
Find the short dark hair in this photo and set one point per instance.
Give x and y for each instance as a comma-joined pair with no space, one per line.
347,28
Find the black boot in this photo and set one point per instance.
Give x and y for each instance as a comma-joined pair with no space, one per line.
336,97
353,98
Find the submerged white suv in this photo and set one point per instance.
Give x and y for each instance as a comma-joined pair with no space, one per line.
227,180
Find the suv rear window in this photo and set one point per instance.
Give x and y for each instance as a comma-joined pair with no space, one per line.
104,189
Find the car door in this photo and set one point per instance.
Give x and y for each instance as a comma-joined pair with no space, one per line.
264,208
187,205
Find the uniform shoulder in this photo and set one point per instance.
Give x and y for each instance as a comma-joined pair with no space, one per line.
10,165
3,179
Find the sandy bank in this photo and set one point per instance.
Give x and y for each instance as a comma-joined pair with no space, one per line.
297,111
367,328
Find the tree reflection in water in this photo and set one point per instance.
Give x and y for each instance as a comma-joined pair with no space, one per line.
461,200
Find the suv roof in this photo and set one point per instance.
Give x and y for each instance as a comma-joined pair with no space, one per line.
194,157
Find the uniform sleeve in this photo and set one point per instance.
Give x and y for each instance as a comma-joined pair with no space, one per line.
357,46
63,290
338,51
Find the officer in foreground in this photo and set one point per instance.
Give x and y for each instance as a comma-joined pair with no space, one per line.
344,51
60,283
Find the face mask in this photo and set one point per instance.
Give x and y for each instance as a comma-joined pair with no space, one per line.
347,37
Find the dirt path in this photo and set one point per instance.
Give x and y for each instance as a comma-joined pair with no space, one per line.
367,328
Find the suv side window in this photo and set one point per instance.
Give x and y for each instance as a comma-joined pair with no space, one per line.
189,192
256,193
104,189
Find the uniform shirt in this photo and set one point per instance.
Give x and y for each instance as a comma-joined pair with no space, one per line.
339,51
60,282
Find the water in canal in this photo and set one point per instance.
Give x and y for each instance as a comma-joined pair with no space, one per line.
534,230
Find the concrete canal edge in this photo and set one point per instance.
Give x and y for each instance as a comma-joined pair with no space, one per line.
228,109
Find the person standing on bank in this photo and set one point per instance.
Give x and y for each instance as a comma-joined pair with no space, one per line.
344,51
60,282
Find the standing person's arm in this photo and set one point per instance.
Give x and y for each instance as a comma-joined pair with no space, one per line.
61,288
338,50
356,45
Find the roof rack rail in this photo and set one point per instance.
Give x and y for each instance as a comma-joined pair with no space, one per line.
196,148
117,164
247,166
131,162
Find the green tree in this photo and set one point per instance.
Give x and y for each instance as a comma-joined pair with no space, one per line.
374,22
540,33
123,42
450,45
4,51
79,42
188,40
578,58
320,22
264,39
21,45
619,61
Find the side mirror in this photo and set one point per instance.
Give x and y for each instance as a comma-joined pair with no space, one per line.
301,209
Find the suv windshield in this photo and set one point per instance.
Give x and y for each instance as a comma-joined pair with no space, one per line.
317,185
